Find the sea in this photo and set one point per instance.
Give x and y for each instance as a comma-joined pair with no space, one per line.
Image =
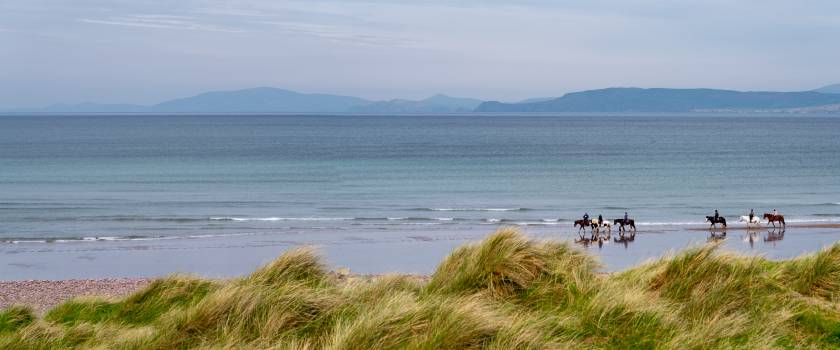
108,180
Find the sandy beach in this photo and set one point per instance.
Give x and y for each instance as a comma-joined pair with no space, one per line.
407,252
42,295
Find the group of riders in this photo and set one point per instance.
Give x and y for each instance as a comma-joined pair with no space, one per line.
771,218
597,224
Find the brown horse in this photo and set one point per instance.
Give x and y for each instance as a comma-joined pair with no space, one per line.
773,218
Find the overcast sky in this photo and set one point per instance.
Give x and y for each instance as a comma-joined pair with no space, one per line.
143,52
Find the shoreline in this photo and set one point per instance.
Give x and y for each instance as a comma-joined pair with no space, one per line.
742,227
368,252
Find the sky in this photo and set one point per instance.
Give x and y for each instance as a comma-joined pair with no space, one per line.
147,51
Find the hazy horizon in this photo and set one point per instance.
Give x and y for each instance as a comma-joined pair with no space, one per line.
149,51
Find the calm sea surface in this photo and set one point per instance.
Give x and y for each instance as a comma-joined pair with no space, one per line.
158,177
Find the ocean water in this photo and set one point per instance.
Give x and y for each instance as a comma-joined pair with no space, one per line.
82,178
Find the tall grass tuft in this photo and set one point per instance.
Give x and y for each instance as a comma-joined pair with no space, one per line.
506,264
15,317
506,292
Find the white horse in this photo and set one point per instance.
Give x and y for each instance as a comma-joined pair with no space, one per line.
746,218
597,225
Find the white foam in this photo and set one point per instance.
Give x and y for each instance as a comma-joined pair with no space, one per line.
277,219
536,223
677,223
476,209
811,220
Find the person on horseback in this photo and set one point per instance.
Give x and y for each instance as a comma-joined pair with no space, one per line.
626,218
752,215
775,212
717,216
585,218
600,219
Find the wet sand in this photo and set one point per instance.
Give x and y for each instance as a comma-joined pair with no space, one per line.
374,252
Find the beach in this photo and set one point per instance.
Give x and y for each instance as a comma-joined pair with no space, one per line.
504,290
43,295
413,253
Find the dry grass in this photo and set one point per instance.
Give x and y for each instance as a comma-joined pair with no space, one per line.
506,292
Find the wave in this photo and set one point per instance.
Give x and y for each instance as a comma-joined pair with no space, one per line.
114,238
811,220
469,209
669,223
278,219
537,223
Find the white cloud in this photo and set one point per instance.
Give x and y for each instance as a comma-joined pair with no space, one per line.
161,22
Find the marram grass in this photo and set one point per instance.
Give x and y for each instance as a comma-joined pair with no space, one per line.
506,292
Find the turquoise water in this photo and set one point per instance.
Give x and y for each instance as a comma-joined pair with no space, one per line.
69,178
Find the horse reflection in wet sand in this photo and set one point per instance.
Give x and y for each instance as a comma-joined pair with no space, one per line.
716,236
774,235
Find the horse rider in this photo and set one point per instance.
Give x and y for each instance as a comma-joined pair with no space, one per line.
585,218
600,219
752,215
717,216
775,212
626,218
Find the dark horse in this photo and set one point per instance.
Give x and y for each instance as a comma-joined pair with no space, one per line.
773,218
621,222
583,224
715,221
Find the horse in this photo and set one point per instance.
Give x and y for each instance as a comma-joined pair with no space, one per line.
596,228
715,221
773,218
583,223
630,222
746,218
605,223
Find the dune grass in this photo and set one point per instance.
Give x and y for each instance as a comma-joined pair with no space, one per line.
506,292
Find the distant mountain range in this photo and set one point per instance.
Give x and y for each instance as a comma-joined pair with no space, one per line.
667,100
273,100
830,89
